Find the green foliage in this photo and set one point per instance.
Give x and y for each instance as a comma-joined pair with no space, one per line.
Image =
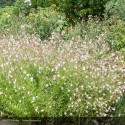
46,79
35,93
4,3
42,22
73,9
116,36
81,8
92,29
116,8
45,21
6,16
23,8
42,3
120,107
73,83
115,16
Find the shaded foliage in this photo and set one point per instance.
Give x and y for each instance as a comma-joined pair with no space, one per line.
75,9
6,2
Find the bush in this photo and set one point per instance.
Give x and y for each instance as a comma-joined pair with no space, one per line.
45,21
74,9
82,8
116,36
4,3
42,22
92,29
120,107
42,3
115,17
116,8
23,6
8,18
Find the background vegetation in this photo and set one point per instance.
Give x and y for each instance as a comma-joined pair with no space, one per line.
62,58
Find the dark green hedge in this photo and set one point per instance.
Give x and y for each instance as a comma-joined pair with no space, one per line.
82,8
6,2
75,8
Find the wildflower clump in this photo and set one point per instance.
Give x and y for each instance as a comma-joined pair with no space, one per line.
55,8
7,15
58,78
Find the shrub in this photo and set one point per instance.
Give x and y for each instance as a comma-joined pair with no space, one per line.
115,17
120,107
23,6
4,3
81,9
8,9
42,22
116,36
74,9
6,15
8,18
45,21
116,8
91,29
42,3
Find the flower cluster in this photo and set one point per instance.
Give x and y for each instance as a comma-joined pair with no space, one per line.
55,78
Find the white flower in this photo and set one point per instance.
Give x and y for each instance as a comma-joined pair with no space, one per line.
52,70
71,84
1,93
36,110
83,68
62,88
46,85
40,68
58,75
42,110
50,106
35,64
27,2
68,90
64,69
58,64
77,89
70,98
82,87
24,72
31,79
79,100
14,81
28,75
33,98
2,65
